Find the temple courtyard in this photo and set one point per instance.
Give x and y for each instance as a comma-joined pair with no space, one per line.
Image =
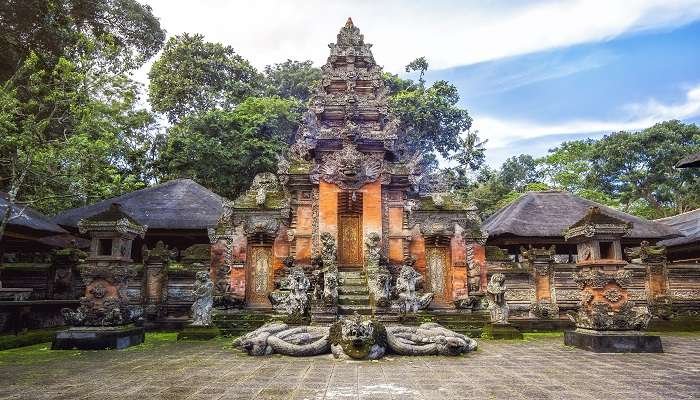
539,367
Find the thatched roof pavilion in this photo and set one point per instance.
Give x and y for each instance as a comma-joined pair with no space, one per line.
688,247
31,231
177,212
540,218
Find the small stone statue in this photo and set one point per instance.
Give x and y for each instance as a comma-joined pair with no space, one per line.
410,301
203,293
496,293
379,278
293,301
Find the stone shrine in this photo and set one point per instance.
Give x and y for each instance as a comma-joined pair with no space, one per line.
607,319
104,318
349,181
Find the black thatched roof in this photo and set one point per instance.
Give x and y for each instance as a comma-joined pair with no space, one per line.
549,213
177,204
30,219
689,225
691,161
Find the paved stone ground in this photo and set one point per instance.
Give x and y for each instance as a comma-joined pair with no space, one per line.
540,368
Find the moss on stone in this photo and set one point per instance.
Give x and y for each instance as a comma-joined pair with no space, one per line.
24,267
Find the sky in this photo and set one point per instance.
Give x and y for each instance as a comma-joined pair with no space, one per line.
532,74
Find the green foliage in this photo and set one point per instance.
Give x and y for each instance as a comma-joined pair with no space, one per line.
638,169
632,171
431,120
54,29
297,79
223,150
194,76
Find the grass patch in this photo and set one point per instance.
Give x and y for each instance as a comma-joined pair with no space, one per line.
27,338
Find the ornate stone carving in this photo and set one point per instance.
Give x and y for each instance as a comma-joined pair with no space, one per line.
330,269
605,303
357,337
292,299
495,292
407,283
646,254
378,276
203,294
354,337
348,168
254,223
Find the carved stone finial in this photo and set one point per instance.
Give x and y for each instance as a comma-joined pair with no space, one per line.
349,23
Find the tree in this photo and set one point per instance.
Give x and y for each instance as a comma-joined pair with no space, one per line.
638,169
92,157
429,116
297,79
223,149
51,29
494,189
194,76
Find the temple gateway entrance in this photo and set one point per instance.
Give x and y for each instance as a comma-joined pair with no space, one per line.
350,230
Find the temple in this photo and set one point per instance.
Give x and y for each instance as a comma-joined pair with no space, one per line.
346,175
349,224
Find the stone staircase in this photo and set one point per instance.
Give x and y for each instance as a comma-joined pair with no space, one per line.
353,293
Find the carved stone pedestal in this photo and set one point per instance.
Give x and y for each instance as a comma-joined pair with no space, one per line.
500,332
98,337
613,341
192,332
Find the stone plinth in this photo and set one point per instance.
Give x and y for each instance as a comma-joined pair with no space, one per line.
613,341
501,332
192,332
98,337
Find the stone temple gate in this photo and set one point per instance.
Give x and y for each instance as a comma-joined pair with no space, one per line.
348,178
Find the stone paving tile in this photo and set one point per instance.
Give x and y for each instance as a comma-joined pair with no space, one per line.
538,369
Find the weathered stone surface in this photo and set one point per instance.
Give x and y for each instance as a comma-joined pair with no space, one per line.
613,342
98,338
500,332
203,294
495,292
540,368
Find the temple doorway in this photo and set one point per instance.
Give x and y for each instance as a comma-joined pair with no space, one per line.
350,230
437,272
259,275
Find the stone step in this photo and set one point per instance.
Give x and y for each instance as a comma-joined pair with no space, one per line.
351,309
353,281
353,299
353,290
351,274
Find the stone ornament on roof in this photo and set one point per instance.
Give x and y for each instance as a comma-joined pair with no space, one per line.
113,219
595,223
348,168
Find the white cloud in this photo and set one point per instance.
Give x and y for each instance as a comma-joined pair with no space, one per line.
501,132
447,32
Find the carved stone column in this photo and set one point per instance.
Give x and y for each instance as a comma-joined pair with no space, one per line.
654,257
543,299
63,273
155,263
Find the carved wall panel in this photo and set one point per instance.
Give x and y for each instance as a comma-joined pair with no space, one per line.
350,240
437,272
259,282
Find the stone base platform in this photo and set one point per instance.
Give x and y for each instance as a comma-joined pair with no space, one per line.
98,337
613,342
501,331
191,332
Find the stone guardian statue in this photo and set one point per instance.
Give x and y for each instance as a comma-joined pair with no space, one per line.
203,293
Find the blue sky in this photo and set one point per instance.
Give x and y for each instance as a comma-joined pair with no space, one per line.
531,73
616,81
